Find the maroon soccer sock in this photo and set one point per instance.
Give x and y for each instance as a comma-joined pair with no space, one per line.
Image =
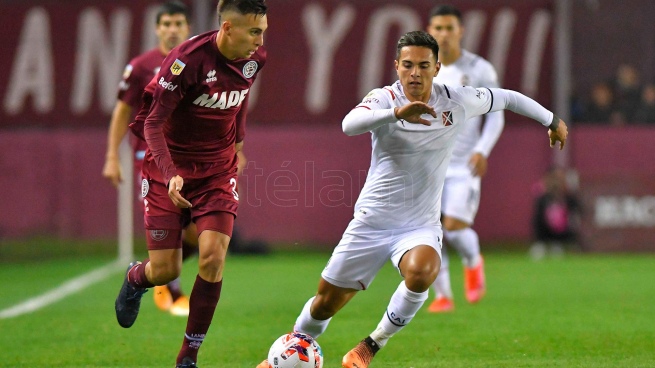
202,305
136,276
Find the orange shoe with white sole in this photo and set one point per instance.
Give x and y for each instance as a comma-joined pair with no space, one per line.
359,357
441,305
180,307
163,298
474,282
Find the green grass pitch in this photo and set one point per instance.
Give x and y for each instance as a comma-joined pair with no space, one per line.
578,311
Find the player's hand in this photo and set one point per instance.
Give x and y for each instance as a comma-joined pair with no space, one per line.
478,164
112,171
560,135
412,112
174,188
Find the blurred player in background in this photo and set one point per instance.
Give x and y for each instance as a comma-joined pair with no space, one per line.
193,118
172,28
414,125
461,191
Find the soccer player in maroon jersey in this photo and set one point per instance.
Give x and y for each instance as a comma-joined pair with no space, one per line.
194,128
172,28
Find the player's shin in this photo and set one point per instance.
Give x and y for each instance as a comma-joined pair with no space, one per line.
402,308
202,304
467,244
307,324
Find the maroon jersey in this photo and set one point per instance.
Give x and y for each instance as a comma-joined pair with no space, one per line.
136,76
198,108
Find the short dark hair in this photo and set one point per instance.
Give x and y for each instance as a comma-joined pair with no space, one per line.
446,10
172,8
257,7
418,38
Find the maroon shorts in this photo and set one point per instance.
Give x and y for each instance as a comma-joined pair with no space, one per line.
214,198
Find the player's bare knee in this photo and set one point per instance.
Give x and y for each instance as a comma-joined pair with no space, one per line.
211,263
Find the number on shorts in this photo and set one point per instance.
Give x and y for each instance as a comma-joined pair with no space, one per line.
233,183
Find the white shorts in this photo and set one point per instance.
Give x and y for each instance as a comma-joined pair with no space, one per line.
363,250
461,197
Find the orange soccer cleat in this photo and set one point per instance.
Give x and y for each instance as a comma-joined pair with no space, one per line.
163,298
180,307
441,304
474,282
264,364
359,357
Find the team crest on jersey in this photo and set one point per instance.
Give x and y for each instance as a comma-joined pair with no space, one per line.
158,235
447,118
250,69
127,71
145,187
177,67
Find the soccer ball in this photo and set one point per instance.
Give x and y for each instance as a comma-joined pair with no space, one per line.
295,350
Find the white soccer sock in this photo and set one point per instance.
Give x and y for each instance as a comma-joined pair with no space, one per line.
467,244
441,285
402,308
307,324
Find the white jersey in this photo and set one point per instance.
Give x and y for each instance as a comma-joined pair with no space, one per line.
470,70
409,161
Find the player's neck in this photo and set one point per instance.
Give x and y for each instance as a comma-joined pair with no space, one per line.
223,47
163,49
447,57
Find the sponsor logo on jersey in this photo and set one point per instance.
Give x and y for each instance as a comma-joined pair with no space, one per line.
250,69
127,71
479,94
177,67
371,100
145,187
447,118
211,76
167,85
226,99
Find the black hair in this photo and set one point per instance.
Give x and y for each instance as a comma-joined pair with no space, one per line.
172,8
446,10
257,7
418,38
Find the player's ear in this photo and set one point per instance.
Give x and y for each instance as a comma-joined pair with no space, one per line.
226,27
437,68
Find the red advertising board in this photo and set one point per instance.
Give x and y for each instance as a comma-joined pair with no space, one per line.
62,60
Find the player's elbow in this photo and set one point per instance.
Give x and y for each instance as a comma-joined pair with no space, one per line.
348,129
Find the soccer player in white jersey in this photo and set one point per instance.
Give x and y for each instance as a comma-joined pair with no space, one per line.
414,124
461,191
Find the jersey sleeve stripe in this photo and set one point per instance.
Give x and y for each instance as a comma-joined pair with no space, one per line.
447,91
365,107
393,95
492,100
